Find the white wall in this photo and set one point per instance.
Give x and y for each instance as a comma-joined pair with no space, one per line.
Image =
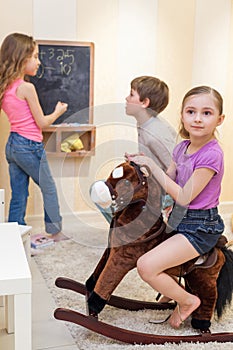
54,19
211,43
136,42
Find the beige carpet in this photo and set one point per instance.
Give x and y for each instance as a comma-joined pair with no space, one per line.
76,259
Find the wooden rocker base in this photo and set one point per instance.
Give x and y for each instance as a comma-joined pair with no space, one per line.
132,337
124,335
118,302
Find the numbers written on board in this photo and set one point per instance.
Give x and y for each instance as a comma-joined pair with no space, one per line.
53,59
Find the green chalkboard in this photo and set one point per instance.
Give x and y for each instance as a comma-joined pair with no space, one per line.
66,74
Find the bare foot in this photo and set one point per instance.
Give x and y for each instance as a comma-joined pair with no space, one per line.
183,311
57,237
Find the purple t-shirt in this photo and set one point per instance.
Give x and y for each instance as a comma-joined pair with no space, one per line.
209,156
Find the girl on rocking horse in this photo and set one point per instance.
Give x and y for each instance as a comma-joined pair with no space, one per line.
193,180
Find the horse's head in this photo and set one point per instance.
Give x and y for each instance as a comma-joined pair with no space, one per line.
135,200
126,185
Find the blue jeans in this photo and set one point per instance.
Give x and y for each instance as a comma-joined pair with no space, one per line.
27,158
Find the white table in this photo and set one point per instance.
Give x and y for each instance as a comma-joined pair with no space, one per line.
26,238
15,283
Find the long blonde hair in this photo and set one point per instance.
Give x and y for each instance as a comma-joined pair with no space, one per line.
15,50
197,91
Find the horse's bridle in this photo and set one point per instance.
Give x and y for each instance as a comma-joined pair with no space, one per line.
142,181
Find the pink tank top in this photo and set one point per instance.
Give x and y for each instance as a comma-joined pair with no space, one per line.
19,114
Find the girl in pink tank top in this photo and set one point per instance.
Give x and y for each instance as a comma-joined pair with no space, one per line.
19,57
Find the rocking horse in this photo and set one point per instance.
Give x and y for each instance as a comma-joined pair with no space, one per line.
138,226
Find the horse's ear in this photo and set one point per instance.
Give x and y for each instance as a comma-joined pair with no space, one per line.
118,172
145,171
123,171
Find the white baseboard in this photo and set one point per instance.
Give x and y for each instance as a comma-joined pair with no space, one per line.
39,217
37,220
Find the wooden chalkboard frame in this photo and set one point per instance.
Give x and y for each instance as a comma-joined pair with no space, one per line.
68,44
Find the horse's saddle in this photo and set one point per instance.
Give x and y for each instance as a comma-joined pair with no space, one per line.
204,261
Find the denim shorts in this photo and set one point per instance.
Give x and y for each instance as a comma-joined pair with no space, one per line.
201,227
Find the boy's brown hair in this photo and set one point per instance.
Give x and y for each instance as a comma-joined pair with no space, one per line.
154,89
